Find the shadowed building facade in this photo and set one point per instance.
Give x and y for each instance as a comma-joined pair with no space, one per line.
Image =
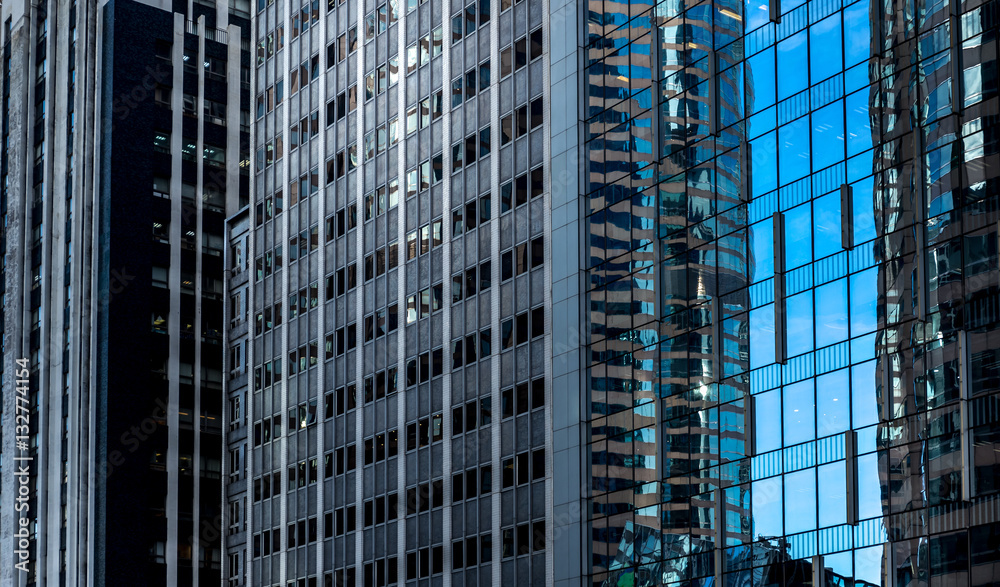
124,144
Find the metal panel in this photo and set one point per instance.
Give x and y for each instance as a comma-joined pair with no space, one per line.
746,185
850,451
846,216
966,433
780,320
819,571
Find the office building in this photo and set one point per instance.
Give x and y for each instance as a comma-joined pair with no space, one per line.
792,291
125,126
389,380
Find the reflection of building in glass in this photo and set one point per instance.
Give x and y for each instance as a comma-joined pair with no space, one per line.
661,441
790,363
767,563
936,215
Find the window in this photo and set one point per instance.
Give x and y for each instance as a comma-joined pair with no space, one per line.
163,49
424,432
216,67
419,563
456,92
215,156
536,44
235,413
380,447
161,142
162,95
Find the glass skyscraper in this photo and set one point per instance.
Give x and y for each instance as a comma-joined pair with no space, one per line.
792,291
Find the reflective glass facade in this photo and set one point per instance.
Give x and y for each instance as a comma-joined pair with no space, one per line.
792,292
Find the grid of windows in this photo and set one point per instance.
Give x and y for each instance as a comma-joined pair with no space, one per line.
787,280
356,197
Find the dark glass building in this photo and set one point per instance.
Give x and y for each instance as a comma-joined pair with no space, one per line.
126,140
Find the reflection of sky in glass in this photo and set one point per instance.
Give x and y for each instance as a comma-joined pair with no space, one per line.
859,131
798,236
825,55
869,564
864,409
760,72
832,494
857,39
831,313
767,426
864,302
828,135
833,403
799,320
826,225
761,236
800,501
767,507
764,176
798,412
869,487
756,13
793,151
793,60
762,341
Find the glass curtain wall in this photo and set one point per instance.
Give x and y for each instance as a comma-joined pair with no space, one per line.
792,290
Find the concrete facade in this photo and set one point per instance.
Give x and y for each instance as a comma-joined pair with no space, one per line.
407,425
